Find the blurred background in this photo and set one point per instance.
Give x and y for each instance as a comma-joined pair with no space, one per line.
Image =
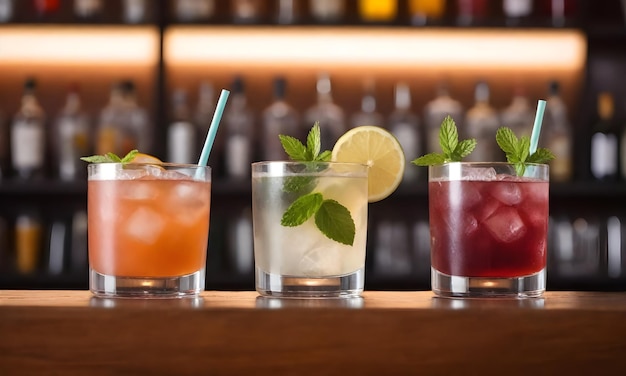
84,77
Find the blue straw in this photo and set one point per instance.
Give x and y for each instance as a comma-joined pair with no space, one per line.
215,123
534,136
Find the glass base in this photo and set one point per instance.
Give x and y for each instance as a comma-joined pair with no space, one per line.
107,286
280,286
530,286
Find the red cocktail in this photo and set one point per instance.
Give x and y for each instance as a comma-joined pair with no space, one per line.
488,229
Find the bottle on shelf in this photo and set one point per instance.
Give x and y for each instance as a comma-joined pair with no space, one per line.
188,11
278,118
28,135
45,8
518,115
241,242
87,9
4,145
327,11
203,115
4,243
604,141
111,116
135,127
427,12
481,123
248,11
368,114
560,12
239,122
134,11
181,133
517,12
558,135
28,241
6,10
435,111
404,124
288,12
58,247
471,12
70,138
378,11
331,117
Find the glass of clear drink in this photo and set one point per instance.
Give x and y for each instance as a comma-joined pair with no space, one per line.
148,229
303,261
488,229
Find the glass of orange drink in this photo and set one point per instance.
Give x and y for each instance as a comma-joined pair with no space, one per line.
148,229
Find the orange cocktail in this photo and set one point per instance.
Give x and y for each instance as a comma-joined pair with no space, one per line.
148,228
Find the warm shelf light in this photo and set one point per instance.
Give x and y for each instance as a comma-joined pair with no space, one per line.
403,47
86,45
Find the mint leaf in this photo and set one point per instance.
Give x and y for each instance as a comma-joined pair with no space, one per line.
324,156
96,159
542,155
293,147
114,158
299,184
313,142
334,221
448,136
130,156
453,150
302,209
518,150
429,159
111,158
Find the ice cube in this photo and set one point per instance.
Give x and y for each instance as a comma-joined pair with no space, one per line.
508,193
465,222
144,225
480,174
505,225
486,208
321,261
140,190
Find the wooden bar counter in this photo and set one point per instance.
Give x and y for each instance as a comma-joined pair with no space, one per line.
240,333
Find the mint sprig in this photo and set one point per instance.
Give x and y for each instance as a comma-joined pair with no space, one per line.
517,150
111,158
331,218
452,149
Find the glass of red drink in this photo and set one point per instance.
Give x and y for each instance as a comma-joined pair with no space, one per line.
488,229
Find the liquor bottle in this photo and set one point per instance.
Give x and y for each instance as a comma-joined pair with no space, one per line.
135,126
46,7
6,10
239,122
28,135
194,10
481,123
278,118
4,242
58,247
70,140
134,11
404,124
368,114
426,12
327,11
78,256
288,12
331,117
181,133
604,141
435,111
558,136
472,12
28,232
517,11
376,11
87,9
560,12
518,115
241,242
247,11
4,145
109,124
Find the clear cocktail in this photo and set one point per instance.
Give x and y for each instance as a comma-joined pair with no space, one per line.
148,228
302,260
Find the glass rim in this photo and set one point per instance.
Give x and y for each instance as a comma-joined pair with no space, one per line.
164,164
264,163
488,164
